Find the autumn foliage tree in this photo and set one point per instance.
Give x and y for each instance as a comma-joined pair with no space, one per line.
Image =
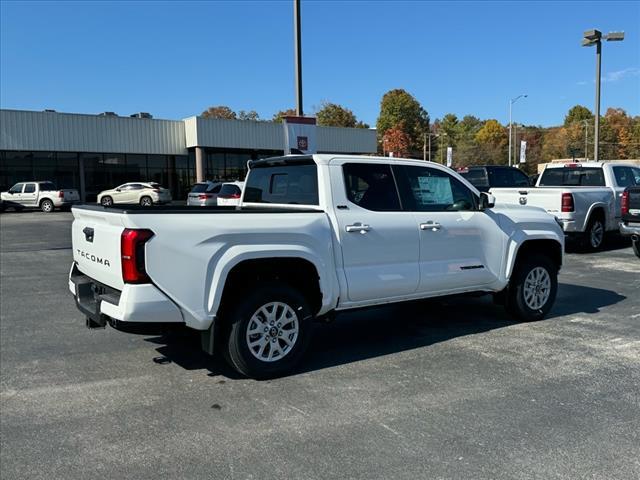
399,109
219,111
396,141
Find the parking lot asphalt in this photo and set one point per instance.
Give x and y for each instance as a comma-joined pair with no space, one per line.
450,389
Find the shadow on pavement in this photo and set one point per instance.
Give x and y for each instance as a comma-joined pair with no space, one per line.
611,242
379,331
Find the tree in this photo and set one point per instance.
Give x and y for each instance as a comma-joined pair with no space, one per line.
361,124
396,141
279,116
449,125
219,111
577,114
334,115
555,144
248,115
492,142
399,109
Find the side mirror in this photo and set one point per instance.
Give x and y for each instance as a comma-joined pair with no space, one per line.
118,190
10,192
487,201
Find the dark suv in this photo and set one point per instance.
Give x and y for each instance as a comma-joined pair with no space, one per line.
484,177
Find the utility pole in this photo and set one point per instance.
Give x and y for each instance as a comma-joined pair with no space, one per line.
511,102
586,139
298,56
589,39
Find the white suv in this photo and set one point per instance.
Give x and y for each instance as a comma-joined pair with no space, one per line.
145,194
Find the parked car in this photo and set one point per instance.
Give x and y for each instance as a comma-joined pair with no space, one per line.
485,177
42,195
585,197
630,221
142,193
314,235
230,193
204,193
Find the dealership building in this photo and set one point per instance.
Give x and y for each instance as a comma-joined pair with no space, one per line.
96,152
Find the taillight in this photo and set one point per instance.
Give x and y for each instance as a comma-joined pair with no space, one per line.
204,196
132,255
60,194
567,202
233,195
624,203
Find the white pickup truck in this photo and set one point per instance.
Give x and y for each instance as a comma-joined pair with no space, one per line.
314,235
42,195
584,197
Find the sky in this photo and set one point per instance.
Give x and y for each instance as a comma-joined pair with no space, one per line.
174,59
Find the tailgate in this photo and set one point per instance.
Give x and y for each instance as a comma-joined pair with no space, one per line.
71,195
96,245
546,198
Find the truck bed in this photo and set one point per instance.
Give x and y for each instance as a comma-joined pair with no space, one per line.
132,209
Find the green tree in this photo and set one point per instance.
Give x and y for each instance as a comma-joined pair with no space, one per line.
361,124
400,109
577,114
219,111
248,115
279,116
334,115
449,126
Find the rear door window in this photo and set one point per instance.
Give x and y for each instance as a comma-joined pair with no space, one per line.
30,188
371,186
285,184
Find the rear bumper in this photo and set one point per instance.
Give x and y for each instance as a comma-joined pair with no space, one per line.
134,303
629,228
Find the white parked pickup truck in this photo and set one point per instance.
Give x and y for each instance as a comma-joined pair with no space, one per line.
42,195
584,197
314,235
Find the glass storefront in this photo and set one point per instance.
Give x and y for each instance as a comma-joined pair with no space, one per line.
232,165
101,170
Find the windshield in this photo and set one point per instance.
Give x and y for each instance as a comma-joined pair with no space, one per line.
572,177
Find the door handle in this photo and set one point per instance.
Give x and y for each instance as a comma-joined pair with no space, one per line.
433,226
358,227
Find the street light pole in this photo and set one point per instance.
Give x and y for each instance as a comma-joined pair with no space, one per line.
298,56
511,102
591,38
586,140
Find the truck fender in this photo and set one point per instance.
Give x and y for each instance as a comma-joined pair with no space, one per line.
593,207
517,241
237,254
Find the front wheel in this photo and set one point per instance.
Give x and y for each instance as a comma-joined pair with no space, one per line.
532,289
269,331
46,206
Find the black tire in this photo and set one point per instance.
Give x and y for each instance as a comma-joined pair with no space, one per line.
518,305
146,201
635,244
594,234
240,318
46,206
106,201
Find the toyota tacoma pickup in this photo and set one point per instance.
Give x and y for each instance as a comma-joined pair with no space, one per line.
584,197
313,235
42,195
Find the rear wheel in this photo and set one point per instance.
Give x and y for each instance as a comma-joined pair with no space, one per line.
106,201
46,205
268,331
146,201
636,247
594,235
532,288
